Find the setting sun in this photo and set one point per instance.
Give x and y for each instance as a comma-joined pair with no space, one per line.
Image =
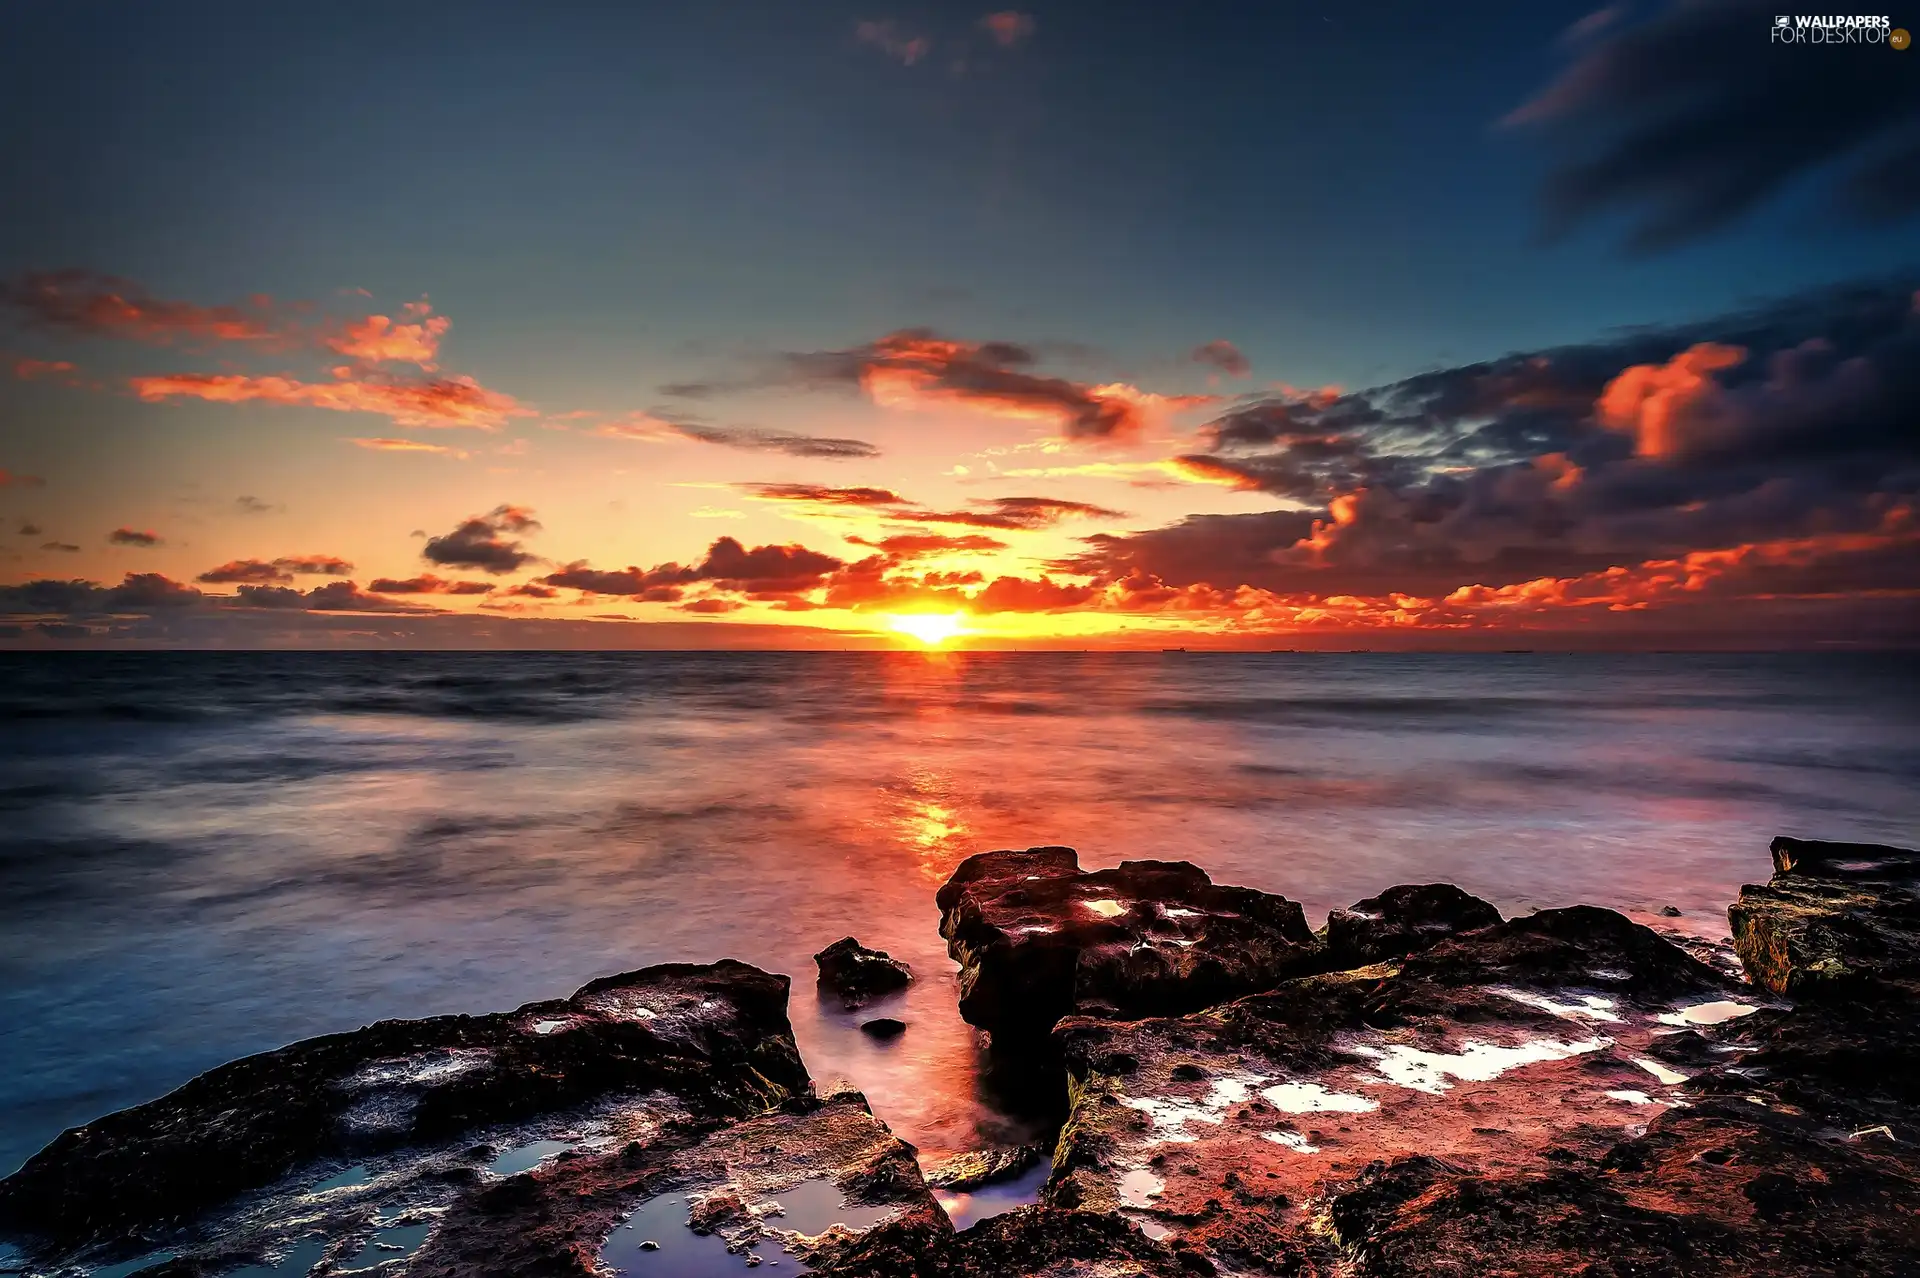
932,629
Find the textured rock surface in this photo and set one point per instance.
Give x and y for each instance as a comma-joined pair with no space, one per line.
409,1104
858,975
1037,938
980,1167
1836,921
1233,1128
1402,920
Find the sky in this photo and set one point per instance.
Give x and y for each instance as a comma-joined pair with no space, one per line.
1280,325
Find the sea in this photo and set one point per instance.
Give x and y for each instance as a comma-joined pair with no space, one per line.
205,855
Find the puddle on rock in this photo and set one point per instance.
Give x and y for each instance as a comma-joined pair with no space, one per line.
133,1266
1705,1013
1312,1098
1139,1187
358,1175
976,1205
525,1157
299,1260
390,1243
1671,1077
811,1207
1475,1062
1106,909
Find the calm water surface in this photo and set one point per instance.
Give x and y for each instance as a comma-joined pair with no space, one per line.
206,855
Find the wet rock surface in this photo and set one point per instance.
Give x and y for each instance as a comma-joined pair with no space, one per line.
979,1167
857,975
1401,920
384,1123
1038,938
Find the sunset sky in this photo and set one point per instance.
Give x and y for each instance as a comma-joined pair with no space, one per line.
1097,324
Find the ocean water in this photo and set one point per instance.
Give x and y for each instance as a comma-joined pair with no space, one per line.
207,855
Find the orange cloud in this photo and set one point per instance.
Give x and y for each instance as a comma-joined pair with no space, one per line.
426,584
29,370
1649,401
377,339
434,402
104,306
408,446
885,37
1008,28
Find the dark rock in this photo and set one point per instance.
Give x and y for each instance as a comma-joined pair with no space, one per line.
883,1027
1836,921
406,1099
1402,920
1669,911
857,974
966,1172
1031,1242
1037,938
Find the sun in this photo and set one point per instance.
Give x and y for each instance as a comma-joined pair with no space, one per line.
932,629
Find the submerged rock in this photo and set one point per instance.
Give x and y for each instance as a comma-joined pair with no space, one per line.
1038,938
1836,921
226,1161
883,1027
1402,920
859,975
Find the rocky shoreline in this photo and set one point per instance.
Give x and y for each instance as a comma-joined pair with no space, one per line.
1420,1087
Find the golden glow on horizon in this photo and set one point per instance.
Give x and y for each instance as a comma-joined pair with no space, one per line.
931,629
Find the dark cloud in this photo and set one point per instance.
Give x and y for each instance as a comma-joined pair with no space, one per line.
261,572
253,505
59,545
728,565
28,528
710,604
760,440
1223,355
1790,423
335,596
426,584
14,479
1695,117
1012,513
483,542
820,495
88,304
133,537
137,592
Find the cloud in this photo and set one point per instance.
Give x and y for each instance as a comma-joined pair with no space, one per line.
88,304
1008,28
378,339
260,572
753,439
917,545
887,37
134,537
482,542
1791,422
252,505
65,546
14,479
137,592
1694,118
28,528
1223,355
1012,513
434,402
426,584
821,495
727,565
335,596
33,370
408,446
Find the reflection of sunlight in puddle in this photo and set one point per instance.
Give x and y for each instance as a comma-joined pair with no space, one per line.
1139,1187
524,1157
1659,1071
1106,909
1705,1013
357,1175
1629,1096
1474,1062
1171,1114
1591,1006
1311,1098
1292,1140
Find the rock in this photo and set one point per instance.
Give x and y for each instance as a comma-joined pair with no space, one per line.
1669,911
966,1172
1402,920
1836,921
1037,938
229,1156
883,1027
859,975
1513,1048
1032,1242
